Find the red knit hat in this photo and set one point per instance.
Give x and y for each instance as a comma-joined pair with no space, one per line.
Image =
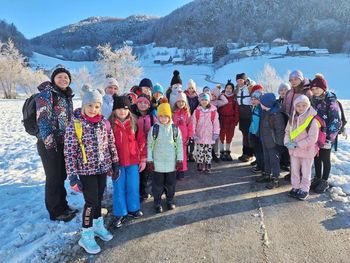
319,81
256,87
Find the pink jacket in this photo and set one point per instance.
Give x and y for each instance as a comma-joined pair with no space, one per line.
306,140
182,119
204,129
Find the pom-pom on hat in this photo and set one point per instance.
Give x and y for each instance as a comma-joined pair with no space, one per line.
204,96
319,81
58,71
146,83
256,87
120,102
164,108
91,95
157,88
176,78
296,74
241,76
268,100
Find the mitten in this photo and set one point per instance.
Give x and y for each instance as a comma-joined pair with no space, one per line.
291,145
179,165
150,167
115,171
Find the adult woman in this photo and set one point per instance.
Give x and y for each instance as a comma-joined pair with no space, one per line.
54,110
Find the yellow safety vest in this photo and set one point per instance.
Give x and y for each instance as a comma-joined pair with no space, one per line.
295,133
79,133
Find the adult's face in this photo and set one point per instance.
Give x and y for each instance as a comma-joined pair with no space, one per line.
62,80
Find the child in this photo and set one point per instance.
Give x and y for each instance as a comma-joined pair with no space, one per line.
300,138
111,87
126,197
182,119
157,95
88,163
282,91
271,127
206,131
327,107
192,98
254,138
175,88
228,116
164,156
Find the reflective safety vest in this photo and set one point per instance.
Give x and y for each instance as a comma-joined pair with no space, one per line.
295,133
79,133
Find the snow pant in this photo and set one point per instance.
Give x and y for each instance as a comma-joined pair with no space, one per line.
244,128
190,147
271,161
323,160
301,180
126,196
285,158
93,189
203,153
184,162
255,143
227,129
55,172
163,182
144,177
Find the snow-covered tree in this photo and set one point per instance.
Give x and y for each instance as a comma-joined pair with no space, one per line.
30,80
82,77
269,78
120,64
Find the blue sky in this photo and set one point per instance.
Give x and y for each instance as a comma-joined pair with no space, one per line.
35,17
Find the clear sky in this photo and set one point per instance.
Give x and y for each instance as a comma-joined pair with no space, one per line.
35,17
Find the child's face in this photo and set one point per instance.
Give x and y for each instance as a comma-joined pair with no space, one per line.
190,89
163,119
317,91
111,90
92,109
301,107
240,82
295,82
146,90
204,103
255,101
180,104
229,89
282,93
122,113
142,106
157,95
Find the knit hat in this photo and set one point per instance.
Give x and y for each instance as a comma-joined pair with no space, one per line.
241,76
192,84
164,108
146,83
302,98
181,96
157,88
283,86
296,74
143,98
176,78
257,94
319,81
256,87
204,96
268,100
58,71
120,102
110,82
91,95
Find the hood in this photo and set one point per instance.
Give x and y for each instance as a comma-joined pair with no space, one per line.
301,118
47,85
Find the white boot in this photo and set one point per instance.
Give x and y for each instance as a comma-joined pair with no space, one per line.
100,230
88,242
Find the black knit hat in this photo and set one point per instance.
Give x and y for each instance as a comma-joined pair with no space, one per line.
176,78
146,83
241,76
58,71
120,102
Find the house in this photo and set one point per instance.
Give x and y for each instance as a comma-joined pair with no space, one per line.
248,51
162,59
178,60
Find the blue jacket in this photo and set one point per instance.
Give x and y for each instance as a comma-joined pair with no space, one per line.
254,125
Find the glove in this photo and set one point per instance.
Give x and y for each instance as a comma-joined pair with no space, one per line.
327,145
215,136
179,165
346,132
115,171
291,145
142,166
150,167
76,185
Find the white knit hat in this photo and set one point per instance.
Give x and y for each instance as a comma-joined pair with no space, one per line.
110,82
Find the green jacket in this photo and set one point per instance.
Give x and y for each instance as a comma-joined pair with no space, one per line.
164,151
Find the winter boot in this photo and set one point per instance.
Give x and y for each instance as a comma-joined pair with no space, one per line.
322,186
314,183
293,193
88,242
215,157
302,195
264,178
207,167
274,183
100,230
223,156
200,167
228,156
191,158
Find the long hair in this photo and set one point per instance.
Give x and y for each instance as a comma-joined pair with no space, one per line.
130,116
186,108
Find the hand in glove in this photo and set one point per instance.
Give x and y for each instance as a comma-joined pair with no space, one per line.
179,165
115,171
215,136
76,185
150,167
291,145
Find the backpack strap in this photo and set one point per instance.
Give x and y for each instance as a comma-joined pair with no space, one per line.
155,131
175,132
295,133
79,133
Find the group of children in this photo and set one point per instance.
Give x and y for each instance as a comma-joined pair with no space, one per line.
151,132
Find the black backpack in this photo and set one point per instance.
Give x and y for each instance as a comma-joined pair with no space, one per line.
29,114
155,131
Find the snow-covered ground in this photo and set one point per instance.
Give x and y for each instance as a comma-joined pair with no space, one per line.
26,233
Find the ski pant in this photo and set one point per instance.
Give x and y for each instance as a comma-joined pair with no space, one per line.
300,171
203,153
93,189
323,160
227,129
55,172
126,196
190,148
285,159
163,182
144,176
255,143
271,161
244,128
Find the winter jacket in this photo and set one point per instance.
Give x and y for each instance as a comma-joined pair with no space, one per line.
182,119
107,106
255,123
230,110
292,94
126,143
193,101
327,108
204,128
52,122
164,151
306,141
144,124
98,141
272,127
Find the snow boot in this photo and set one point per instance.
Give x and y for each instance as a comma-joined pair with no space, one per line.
100,230
228,156
88,242
215,157
223,156
274,183
315,182
264,178
321,187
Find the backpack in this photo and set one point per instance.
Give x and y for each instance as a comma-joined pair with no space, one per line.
155,131
212,116
322,133
29,114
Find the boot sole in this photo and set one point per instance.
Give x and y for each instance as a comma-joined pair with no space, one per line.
89,251
102,238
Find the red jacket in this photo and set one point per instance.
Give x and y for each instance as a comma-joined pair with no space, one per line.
126,143
230,110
